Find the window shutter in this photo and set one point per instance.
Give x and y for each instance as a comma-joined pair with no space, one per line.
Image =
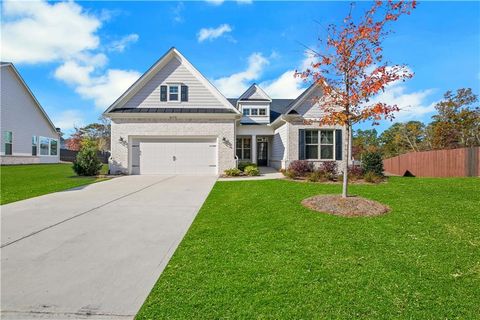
301,144
163,93
184,94
338,144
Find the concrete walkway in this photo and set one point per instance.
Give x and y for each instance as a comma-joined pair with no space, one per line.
94,252
266,173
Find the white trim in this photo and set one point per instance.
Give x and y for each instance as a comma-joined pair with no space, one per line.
175,116
251,88
9,64
170,85
157,66
39,148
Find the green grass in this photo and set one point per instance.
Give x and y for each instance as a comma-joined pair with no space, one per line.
26,181
254,252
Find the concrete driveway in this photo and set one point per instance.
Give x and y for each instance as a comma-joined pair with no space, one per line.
94,252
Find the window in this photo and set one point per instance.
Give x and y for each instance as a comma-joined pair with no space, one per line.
246,112
262,112
53,147
326,144
44,146
244,148
254,112
315,139
34,145
173,93
311,144
8,141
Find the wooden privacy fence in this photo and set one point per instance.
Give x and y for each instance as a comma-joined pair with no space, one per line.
70,155
464,162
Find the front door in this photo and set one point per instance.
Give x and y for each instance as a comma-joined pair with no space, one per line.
262,153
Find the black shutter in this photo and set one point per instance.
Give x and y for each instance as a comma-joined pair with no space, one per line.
184,94
338,144
163,93
301,144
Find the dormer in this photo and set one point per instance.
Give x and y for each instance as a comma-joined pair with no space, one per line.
254,104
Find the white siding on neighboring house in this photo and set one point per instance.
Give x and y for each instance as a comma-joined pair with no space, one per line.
279,147
21,115
174,73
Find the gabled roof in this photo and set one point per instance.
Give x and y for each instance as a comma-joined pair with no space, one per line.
15,71
254,88
157,66
301,98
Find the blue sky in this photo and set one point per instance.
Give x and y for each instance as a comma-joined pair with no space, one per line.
79,57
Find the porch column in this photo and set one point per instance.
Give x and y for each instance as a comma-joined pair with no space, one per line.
254,148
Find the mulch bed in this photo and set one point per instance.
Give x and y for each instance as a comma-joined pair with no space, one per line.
352,206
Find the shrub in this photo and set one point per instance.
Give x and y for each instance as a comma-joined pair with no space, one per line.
316,176
329,170
87,162
289,174
243,165
355,172
372,162
252,171
233,172
372,177
300,168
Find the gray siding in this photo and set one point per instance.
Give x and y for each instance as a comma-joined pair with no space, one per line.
20,114
279,145
308,108
174,72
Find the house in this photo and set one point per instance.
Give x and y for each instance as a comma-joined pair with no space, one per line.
28,134
172,120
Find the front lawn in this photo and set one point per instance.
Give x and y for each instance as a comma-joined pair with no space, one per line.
27,181
254,252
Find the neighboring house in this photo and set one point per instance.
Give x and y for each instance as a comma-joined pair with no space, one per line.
28,135
174,121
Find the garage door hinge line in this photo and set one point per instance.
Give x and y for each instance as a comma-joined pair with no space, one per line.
84,212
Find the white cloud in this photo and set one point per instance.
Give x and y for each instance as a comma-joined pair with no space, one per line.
285,86
235,84
213,33
102,89
69,119
120,45
413,105
177,12
37,31
244,1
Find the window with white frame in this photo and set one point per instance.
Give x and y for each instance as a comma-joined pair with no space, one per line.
246,112
262,112
8,142
173,92
254,112
319,144
244,148
34,145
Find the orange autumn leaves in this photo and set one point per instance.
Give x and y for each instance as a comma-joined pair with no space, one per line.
349,69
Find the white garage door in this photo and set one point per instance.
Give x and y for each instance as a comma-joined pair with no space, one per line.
174,156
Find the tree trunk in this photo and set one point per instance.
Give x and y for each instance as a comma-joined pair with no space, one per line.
346,154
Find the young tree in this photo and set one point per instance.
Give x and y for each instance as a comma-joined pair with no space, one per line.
350,70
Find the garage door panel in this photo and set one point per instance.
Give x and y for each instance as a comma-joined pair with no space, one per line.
175,156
